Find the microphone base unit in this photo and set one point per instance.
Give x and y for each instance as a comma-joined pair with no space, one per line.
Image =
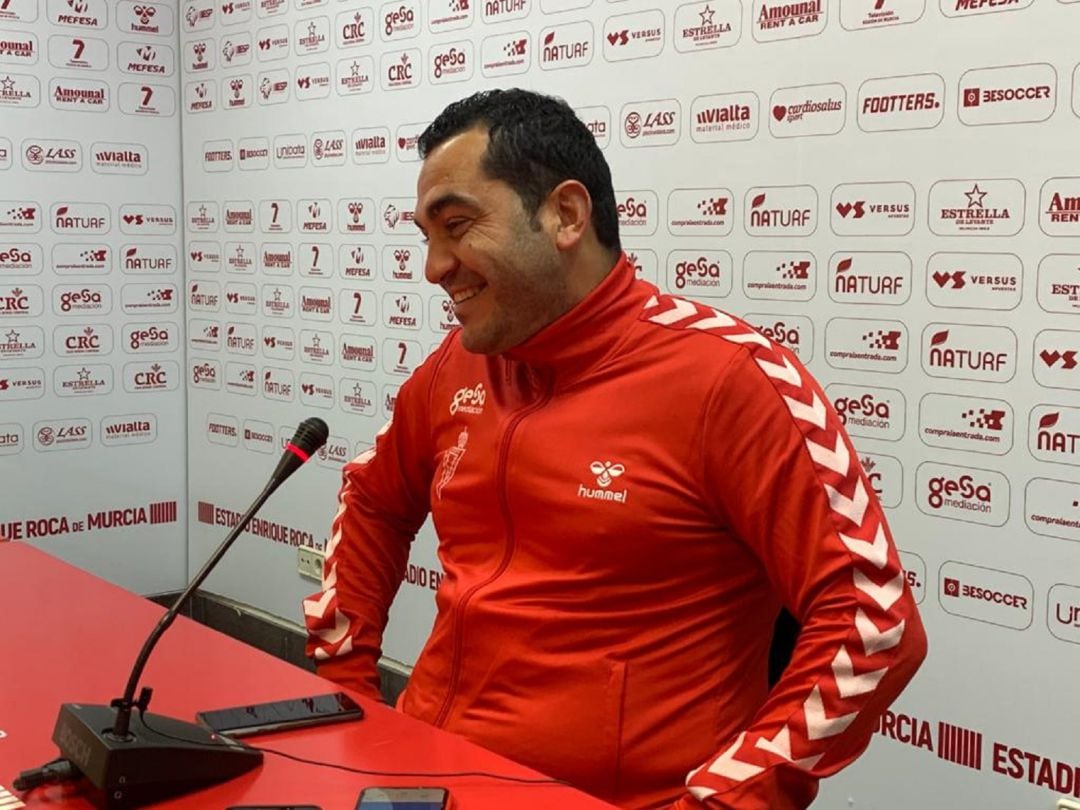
166,758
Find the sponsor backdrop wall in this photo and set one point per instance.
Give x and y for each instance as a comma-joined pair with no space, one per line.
92,436
886,186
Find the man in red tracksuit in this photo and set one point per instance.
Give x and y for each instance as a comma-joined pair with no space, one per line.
627,487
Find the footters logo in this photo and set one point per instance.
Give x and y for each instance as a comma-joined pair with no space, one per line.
901,102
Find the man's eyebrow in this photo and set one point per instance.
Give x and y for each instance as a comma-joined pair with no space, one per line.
449,198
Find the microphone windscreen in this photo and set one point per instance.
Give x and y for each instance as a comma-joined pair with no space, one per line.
311,435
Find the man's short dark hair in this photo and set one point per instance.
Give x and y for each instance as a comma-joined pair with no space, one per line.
535,142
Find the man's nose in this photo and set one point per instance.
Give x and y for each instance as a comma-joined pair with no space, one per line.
440,261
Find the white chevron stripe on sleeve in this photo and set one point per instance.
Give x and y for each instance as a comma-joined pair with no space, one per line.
814,413
818,724
875,640
838,460
847,682
781,746
852,508
726,765
876,553
718,320
680,311
337,632
785,373
652,302
885,595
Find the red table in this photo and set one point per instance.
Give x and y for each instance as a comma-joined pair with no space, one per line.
67,636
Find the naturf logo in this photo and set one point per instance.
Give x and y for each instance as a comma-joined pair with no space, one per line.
1054,434
651,123
966,423
969,352
781,211
986,595
493,11
977,207
961,493
873,209
469,400
866,345
638,212
606,472
1059,207
90,218
566,46
901,102
775,19
870,278
876,413
1007,95
974,280
278,384
506,54
779,276
700,26
814,109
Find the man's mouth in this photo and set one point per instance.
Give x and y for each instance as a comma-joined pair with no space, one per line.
461,296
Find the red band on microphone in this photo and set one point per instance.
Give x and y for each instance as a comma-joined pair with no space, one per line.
296,451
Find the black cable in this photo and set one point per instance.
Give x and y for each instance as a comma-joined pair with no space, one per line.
363,771
59,770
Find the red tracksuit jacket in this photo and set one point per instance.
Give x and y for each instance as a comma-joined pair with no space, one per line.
623,503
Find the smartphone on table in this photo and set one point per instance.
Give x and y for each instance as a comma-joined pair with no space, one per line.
394,798
279,715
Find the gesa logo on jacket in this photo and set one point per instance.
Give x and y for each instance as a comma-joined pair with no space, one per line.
469,400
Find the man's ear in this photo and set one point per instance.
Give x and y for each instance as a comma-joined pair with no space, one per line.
570,208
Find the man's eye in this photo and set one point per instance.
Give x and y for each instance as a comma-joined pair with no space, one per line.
455,226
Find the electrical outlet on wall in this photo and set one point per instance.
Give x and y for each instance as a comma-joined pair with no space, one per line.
309,563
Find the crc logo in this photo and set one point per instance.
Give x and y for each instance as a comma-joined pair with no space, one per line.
87,341
469,400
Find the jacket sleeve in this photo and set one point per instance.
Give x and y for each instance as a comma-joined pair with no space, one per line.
382,504
779,468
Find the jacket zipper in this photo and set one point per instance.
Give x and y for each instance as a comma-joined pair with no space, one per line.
508,553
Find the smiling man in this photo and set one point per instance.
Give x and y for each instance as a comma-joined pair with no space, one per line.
627,487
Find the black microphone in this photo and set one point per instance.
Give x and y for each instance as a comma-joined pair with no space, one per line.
134,761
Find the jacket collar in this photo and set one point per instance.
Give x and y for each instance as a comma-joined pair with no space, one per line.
590,332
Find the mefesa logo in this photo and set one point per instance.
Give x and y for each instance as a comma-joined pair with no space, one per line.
965,8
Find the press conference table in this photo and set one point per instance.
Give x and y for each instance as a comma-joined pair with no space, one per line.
68,636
